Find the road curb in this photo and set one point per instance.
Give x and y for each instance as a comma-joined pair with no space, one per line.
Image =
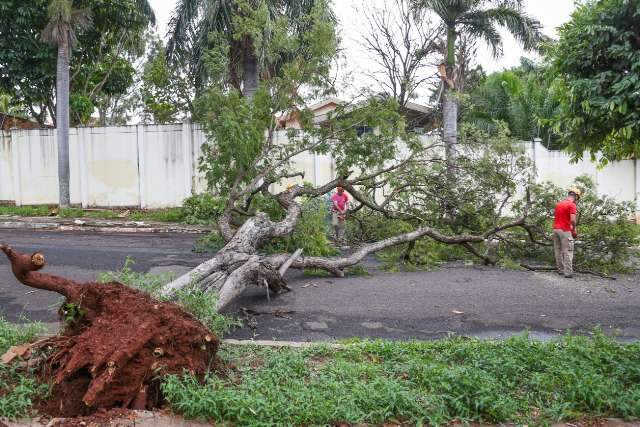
289,344
96,225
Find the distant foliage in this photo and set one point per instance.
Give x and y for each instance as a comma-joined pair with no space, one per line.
598,62
523,98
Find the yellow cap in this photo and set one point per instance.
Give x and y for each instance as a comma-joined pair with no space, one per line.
576,191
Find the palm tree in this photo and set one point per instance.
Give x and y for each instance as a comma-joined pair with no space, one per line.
60,30
480,19
194,20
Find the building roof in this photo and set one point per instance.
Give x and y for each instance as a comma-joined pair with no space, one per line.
417,115
9,121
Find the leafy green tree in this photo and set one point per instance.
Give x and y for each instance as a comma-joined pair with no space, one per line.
166,92
61,31
28,64
522,97
480,19
8,106
194,20
597,59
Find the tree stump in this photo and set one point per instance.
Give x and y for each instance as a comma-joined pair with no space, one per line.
120,346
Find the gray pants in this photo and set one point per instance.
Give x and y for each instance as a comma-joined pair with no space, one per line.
563,248
338,222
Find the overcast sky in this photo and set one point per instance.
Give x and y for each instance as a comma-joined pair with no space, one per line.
551,13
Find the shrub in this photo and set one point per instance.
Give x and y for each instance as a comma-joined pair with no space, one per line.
202,209
310,233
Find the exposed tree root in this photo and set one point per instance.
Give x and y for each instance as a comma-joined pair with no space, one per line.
119,346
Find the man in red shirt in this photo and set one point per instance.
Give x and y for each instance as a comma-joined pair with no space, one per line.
564,232
339,212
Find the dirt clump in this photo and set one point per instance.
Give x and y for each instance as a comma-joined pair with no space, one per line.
118,346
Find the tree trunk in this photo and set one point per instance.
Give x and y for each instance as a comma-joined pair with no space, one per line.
249,72
239,264
450,105
62,122
450,126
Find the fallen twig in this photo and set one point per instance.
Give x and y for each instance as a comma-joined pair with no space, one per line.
549,268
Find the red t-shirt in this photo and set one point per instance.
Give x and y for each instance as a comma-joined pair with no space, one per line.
563,212
340,200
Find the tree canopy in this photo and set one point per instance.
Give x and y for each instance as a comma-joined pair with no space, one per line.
101,63
597,60
523,98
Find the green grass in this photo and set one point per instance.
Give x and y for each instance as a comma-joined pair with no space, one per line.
159,215
18,388
12,334
517,380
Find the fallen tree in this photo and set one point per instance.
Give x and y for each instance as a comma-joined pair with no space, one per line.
251,155
117,343
383,166
395,189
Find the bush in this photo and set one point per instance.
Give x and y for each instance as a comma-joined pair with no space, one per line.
310,233
202,209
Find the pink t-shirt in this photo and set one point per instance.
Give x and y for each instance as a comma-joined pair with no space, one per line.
340,200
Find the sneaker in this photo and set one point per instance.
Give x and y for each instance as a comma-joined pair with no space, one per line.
568,276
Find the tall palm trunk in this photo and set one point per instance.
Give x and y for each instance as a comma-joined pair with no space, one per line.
450,105
62,122
249,72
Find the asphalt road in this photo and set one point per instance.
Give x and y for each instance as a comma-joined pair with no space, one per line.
465,300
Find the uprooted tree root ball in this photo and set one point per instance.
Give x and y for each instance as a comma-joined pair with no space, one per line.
119,346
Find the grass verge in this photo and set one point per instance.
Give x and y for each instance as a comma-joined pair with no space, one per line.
416,383
18,387
517,380
159,215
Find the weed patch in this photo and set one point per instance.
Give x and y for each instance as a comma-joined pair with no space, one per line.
18,389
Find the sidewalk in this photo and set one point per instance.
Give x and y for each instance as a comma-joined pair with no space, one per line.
96,225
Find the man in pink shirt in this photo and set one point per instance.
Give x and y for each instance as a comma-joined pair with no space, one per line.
339,212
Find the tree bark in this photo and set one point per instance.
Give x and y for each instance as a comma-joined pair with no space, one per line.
450,105
62,121
450,126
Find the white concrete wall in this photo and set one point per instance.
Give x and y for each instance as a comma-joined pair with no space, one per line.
620,180
6,168
157,166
